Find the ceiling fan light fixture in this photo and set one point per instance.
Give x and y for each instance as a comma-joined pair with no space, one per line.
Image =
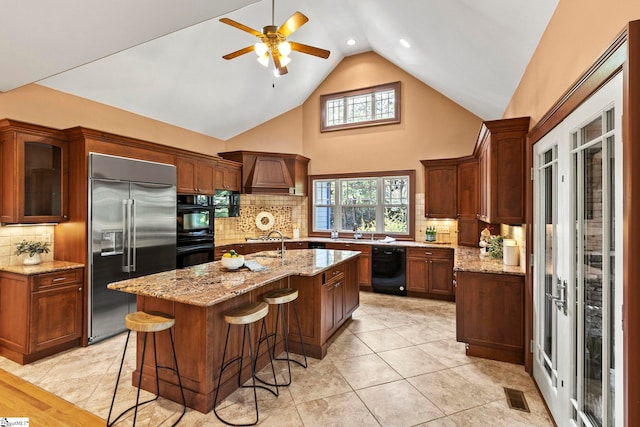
263,60
284,60
284,48
260,48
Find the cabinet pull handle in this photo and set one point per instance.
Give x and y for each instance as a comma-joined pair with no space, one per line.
58,279
428,253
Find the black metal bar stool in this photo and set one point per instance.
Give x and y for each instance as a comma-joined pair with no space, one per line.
280,297
146,322
245,315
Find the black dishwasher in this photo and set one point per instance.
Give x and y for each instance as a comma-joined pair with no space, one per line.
388,270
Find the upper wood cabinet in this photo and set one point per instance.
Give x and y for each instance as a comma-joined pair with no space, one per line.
35,176
195,176
467,190
501,158
440,186
271,173
468,201
228,175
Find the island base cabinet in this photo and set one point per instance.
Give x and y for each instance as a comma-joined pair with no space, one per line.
200,333
325,302
490,315
199,336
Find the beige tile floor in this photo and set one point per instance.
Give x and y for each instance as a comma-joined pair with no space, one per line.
396,363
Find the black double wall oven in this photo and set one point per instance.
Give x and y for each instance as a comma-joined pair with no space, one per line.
195,231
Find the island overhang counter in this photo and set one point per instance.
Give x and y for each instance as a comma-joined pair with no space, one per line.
328,293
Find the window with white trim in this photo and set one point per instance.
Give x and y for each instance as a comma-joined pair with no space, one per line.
378,204
370,106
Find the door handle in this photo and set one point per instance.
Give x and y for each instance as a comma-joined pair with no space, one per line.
126,240
134,227
129,240
561,299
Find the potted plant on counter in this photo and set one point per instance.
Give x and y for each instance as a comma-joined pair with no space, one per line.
32,249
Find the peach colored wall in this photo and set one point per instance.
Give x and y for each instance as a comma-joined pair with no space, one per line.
43,106
577,34
282,134
432,126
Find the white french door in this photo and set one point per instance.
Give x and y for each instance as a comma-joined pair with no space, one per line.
577,268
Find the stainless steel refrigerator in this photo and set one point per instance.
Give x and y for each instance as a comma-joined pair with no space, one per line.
132,212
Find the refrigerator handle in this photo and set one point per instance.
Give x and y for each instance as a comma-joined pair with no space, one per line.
134,231
126,230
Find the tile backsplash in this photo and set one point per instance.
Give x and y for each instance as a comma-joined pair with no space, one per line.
10,235
288,212
447,229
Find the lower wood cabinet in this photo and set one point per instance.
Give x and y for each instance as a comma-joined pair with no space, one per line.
325,301
333,301
364,263
253,247
490,315
430,273
40,314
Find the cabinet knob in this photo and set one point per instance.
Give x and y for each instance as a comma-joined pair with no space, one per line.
79,289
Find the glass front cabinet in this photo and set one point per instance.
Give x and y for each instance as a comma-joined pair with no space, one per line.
34,163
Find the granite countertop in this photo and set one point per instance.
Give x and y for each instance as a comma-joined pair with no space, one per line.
363,241
209,284
43,267
465,258
469,259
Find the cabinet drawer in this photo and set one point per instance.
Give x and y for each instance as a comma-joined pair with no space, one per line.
429,253
59,278
364,248
334,274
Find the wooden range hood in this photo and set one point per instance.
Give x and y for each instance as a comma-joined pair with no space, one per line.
271,173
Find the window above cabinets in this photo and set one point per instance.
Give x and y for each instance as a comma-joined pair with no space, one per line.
372,106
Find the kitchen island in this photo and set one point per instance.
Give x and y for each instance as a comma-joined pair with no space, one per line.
198,297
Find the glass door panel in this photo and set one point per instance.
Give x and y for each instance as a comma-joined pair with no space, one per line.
577,268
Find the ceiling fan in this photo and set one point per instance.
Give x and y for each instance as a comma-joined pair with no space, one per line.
273,41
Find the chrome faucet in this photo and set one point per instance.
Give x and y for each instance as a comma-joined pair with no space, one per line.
281,240
356,234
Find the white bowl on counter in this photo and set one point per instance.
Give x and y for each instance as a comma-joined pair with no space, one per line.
232,263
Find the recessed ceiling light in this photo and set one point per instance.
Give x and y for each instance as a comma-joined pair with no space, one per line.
405,43
351,42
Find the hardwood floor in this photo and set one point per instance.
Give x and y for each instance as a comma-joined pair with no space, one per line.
25,400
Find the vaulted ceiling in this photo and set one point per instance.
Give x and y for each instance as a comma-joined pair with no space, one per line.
163,59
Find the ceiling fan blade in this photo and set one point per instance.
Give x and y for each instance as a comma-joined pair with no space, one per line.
296,21
310,50
276,61
241,26
239,52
